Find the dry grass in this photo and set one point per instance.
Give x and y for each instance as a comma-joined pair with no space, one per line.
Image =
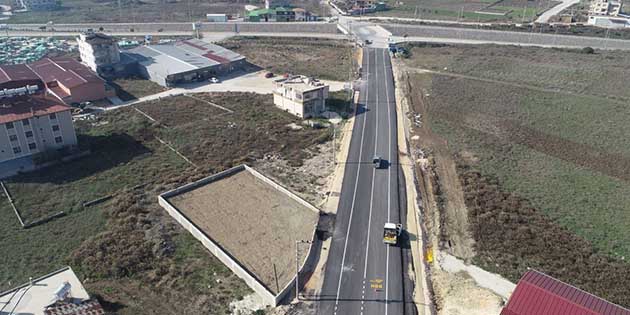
320,58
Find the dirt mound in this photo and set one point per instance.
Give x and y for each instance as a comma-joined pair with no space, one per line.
511,236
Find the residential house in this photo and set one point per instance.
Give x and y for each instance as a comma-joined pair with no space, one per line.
57,293
301,96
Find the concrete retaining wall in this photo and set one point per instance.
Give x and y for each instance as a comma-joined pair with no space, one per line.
292,27
250,279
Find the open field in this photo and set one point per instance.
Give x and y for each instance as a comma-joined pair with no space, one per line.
476,10
320,58
133,88
77,11
258,228
228,139
128,242
542,152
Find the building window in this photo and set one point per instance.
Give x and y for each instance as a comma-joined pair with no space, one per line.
55,127
25,122
32,146
53,116
58,140
17,150
13,138
28,134
9,125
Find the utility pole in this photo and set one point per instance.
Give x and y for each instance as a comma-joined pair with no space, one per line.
297,267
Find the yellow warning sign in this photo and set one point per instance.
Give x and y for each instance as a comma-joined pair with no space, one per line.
429,255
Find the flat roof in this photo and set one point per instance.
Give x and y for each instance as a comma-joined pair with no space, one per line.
183,56
33,299
18,108
300,83
253,219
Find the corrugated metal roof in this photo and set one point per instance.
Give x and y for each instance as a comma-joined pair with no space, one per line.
19,72
182,56
66,71
540,294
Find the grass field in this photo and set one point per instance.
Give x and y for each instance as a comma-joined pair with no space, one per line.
477,10
135,256
133,88
540,129
151,11
305,56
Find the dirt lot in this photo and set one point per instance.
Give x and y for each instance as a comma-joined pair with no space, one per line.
303,56
540,154
258,228
137,259
509,10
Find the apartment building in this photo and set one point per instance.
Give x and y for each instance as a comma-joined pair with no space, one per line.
31,124
98,51
301,96
605,7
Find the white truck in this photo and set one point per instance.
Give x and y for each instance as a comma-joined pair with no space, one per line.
391,233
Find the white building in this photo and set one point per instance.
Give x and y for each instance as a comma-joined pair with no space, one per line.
30,125
98,50
301,96
217,18
605,7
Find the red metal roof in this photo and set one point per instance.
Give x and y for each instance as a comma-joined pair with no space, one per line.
67,71
540,294
19,72
16,109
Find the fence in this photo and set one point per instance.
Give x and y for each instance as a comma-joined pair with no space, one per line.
228,260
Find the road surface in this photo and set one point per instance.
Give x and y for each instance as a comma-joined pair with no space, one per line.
363,275
544,18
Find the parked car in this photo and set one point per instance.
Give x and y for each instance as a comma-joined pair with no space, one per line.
269,75
214,80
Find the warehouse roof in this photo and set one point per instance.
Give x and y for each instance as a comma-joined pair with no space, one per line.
538,293
19,72
182,56
67,71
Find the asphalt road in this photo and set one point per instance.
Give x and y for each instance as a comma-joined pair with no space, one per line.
363,275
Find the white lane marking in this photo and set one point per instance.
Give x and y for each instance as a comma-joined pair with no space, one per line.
367,241
356,184
389,177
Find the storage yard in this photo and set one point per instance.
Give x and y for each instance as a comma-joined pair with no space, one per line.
254,222
526,153
15,50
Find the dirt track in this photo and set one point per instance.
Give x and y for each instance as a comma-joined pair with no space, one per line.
253,221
